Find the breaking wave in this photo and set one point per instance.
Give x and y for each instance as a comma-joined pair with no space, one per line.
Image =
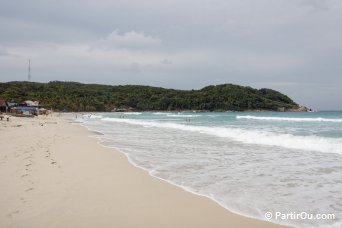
258,137
266,118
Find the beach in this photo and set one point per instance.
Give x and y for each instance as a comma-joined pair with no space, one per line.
54,173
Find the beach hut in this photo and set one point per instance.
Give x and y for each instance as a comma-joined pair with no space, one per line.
24,111
11,104
35,104
32,103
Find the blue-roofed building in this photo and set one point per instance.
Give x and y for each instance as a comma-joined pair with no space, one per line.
25,111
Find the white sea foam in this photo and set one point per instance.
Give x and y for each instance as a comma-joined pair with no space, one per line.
268,118
181,115
132,113
258,137
172,114
232,164
92,116
160,113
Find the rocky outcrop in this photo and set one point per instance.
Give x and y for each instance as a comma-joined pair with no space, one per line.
301,108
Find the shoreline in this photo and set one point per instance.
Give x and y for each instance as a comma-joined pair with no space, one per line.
79,184
184,188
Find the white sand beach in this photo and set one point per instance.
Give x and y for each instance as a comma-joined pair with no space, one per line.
54,173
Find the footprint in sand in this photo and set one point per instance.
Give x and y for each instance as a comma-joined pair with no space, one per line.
4,159
24,175
29,157
29,189
10,215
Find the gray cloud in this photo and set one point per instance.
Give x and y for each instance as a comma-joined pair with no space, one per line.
5,53
319,5
166,62
293,46
132,67
131,39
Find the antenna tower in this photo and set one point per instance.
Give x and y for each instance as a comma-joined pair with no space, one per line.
29,70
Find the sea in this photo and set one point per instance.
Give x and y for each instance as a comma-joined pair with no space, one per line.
279,166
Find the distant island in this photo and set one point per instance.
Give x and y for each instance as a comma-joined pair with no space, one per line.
74,96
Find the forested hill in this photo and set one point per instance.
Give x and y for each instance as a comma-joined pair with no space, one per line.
74,96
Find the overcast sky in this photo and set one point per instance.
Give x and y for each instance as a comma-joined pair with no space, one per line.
294,46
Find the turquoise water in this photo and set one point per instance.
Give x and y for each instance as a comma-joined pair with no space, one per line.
249,162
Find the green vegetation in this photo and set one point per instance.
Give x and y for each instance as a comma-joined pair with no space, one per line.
74,96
